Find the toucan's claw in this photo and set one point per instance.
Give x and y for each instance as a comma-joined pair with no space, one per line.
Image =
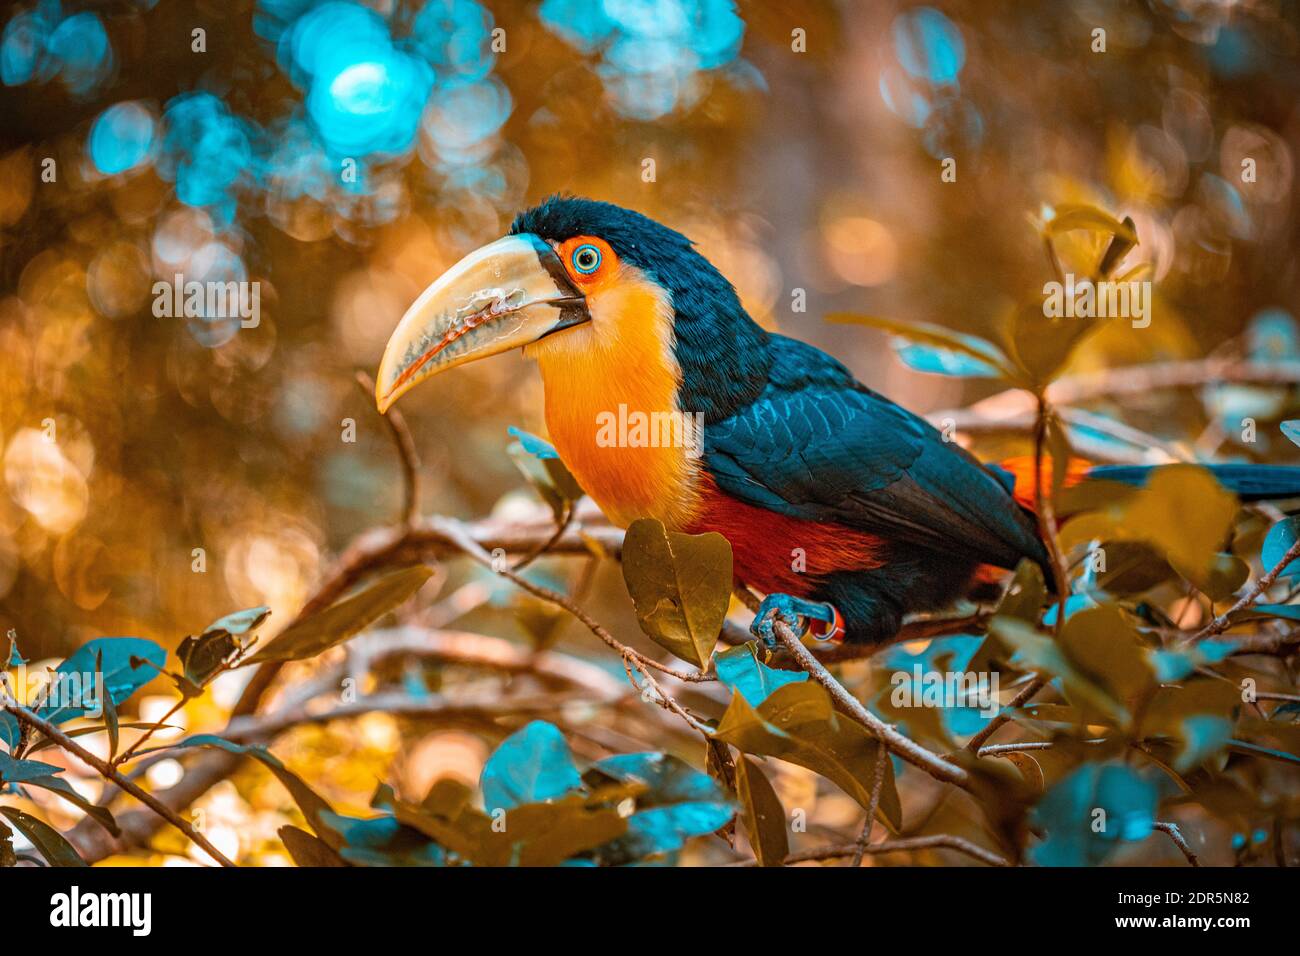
799,615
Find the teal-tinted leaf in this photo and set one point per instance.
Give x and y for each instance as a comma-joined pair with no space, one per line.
128,664
1171,664
313,806
1090,811
1278,542
941,361
1289,611
936,336
18,771
740,669
537,447
679,802
15,659
56,850
666,778
382,841
531,766
1271,336
1258,750
1073,604
1203,736
9,731
239,622
665,829
65,790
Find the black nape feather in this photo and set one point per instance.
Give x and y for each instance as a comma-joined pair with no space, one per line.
722,352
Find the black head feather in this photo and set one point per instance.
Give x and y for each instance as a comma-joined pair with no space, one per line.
722,352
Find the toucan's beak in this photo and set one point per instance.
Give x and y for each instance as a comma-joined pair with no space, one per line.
507,294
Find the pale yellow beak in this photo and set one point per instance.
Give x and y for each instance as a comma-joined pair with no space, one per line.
502,296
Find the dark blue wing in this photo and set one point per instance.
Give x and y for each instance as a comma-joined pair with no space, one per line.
818,445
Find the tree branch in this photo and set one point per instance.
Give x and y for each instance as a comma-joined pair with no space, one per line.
108,773
940,841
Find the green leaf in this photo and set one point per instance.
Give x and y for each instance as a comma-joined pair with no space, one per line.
1067,218
798,724
1132,568
763,814
740,669
307,850
56,850
540,464
1040,344
531,834
1025,594
1038,652
1197,715
207,655
1104,646
110,715
7,855
681,586
46,744
1172,664
65,790
1186,514
203,658
313,806
338,622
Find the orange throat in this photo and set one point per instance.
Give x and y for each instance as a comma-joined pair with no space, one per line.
612,405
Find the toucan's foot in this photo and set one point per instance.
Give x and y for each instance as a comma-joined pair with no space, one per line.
822,619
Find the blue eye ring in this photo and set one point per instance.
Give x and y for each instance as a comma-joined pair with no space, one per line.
586,258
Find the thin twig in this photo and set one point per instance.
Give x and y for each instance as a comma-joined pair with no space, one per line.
455,531
406,453
877,784
1176,835
158,725
631,658
939,841
905,747
561,526
108,773
1036,684
1222,622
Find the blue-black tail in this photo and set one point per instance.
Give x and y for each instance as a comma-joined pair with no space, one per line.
1250,482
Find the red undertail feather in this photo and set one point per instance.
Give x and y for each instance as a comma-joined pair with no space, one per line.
776,553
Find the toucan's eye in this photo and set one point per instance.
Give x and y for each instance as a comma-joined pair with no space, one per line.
586,259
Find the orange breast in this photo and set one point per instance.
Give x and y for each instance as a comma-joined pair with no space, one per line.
611,406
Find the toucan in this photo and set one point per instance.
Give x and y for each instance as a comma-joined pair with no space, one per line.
844,509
